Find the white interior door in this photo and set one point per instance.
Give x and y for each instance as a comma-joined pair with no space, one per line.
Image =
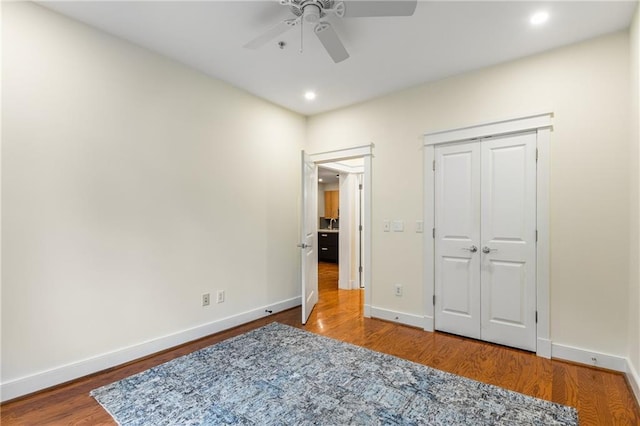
508,271
457,222
485,239
308,234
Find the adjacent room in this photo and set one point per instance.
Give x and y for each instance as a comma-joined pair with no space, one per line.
277,197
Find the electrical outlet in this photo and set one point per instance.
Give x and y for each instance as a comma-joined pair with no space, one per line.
206,299
220,296
398,290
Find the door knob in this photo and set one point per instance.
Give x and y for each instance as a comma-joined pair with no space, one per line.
486,249
472,249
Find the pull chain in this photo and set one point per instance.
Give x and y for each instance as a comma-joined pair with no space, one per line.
301,32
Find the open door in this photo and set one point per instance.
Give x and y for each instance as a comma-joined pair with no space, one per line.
309,234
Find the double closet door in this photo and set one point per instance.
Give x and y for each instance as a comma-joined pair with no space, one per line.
485,239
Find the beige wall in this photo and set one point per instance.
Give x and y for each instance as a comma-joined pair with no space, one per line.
130,186
587,88
634,282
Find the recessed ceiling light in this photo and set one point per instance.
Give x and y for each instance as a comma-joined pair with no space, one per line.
310,95
539,18
319,179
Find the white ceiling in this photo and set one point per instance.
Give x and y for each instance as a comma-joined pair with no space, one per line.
328,176
441,39
329,172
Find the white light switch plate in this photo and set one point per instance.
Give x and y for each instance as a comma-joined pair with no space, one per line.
397,226
386,226
419,226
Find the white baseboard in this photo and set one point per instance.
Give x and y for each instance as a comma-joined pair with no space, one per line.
366,311
429,323
634,380
351,285
55,376
400,317
584,356
543,348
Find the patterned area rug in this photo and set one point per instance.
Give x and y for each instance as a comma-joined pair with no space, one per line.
280,375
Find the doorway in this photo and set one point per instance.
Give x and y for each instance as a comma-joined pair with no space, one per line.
340,220
353,167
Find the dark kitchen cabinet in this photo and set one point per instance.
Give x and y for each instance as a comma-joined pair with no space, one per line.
328,247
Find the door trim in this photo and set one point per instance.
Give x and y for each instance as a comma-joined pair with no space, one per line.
366,153
542,124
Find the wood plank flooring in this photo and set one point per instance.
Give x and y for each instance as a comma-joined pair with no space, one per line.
601,397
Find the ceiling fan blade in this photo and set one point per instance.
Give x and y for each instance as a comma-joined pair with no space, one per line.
272,33
368,8
331,42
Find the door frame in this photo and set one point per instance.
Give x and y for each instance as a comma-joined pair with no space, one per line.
366,153
540,123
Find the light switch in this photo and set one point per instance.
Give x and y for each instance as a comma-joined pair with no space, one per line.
386,226
397,226
419,226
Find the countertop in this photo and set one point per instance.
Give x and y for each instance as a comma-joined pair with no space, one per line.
333,231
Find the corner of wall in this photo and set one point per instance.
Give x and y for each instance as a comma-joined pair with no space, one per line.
634,273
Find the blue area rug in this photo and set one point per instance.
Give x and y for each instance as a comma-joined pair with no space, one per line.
280,375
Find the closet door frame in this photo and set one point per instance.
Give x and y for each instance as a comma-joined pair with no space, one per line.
542,125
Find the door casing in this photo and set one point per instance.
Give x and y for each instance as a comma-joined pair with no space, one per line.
542,125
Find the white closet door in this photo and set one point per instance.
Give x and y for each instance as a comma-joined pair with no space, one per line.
485,198
457,221
508,230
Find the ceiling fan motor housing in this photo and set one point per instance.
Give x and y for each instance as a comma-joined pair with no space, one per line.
311,10
311,13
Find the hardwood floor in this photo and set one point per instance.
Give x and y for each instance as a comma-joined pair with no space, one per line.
601,397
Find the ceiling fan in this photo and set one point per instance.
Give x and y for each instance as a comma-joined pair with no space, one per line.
315,12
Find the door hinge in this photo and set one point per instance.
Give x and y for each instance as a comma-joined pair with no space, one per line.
536,235
536,154
433,232
536,317
360,187
360,228
360,269
433,166
434,300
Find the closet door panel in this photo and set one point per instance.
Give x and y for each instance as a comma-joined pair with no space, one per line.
457,221
508,229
